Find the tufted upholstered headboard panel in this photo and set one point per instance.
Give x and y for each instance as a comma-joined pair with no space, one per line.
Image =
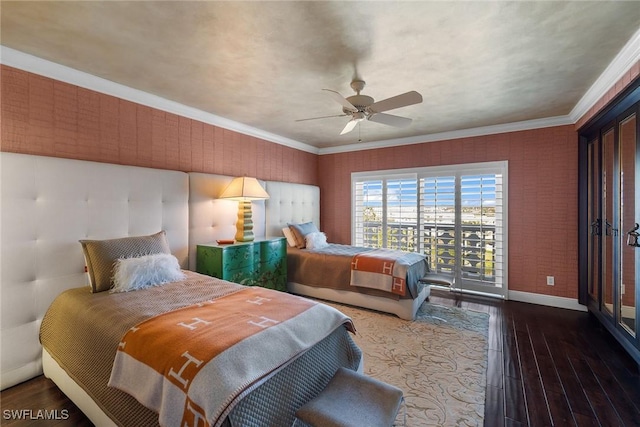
47,205
211,218
290,203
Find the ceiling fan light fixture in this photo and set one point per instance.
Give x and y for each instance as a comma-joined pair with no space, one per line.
363,107
360,101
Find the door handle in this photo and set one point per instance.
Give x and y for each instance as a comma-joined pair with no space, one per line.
633,235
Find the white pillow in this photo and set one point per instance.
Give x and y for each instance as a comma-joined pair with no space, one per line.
291,240
316,240
130,274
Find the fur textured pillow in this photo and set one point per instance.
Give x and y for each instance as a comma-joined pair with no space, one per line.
316,240
130,274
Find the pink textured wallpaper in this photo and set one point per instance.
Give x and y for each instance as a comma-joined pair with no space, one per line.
543,197
51,118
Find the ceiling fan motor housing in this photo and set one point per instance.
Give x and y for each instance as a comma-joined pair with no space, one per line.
361,102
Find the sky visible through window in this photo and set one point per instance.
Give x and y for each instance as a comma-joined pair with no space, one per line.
477,191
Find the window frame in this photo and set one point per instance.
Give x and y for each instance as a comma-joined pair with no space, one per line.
456,170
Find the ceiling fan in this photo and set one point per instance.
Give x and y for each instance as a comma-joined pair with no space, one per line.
361,107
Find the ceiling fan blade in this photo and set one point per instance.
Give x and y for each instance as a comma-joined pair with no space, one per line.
350,125
341,100
398,101
323,117
391,120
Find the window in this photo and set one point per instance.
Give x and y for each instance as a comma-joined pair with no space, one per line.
385,212
456,215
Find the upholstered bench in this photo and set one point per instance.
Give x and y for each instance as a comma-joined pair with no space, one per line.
352,400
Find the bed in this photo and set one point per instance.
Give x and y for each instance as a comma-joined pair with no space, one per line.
82,331
325,274
49,205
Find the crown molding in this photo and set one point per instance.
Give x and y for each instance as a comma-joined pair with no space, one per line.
623,61
33,64
457,134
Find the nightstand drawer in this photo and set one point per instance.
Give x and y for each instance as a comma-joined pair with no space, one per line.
272,250
234,257
259,263
244,276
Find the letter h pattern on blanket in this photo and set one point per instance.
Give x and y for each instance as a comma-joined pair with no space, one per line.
186,340
379,269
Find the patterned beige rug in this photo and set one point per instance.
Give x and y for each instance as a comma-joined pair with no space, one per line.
439,361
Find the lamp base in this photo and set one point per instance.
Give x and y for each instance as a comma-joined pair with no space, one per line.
244,225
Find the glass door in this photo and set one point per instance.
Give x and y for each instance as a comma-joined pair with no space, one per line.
609,218
609,230
628,217
463,222
595,223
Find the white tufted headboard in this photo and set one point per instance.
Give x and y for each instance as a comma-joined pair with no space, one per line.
211,218
48,204
290,203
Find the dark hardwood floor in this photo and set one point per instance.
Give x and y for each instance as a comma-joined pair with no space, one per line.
552,367
547,367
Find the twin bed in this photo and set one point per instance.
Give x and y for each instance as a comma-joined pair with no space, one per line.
326,273
50,210
244,385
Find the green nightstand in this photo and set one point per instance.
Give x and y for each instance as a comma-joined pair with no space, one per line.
258,263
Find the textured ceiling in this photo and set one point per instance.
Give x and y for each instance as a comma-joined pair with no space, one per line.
263,64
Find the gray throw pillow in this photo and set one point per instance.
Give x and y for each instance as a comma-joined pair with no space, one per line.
100,255
300,231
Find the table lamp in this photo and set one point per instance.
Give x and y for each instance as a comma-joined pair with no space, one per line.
244,190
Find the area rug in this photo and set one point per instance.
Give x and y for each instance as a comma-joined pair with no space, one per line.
439,361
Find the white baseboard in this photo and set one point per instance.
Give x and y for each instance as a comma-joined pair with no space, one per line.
549,300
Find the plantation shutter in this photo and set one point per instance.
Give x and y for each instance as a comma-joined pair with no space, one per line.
438,211
402,214
385,212
482,230
367,213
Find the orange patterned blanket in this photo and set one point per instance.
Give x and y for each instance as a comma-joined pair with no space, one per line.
193,364
383,269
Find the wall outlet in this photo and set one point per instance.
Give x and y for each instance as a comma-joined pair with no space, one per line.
622,289
551,281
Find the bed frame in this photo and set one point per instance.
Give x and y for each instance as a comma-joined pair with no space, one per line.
403,308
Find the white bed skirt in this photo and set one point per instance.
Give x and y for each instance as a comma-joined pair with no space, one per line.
74,392
404,308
